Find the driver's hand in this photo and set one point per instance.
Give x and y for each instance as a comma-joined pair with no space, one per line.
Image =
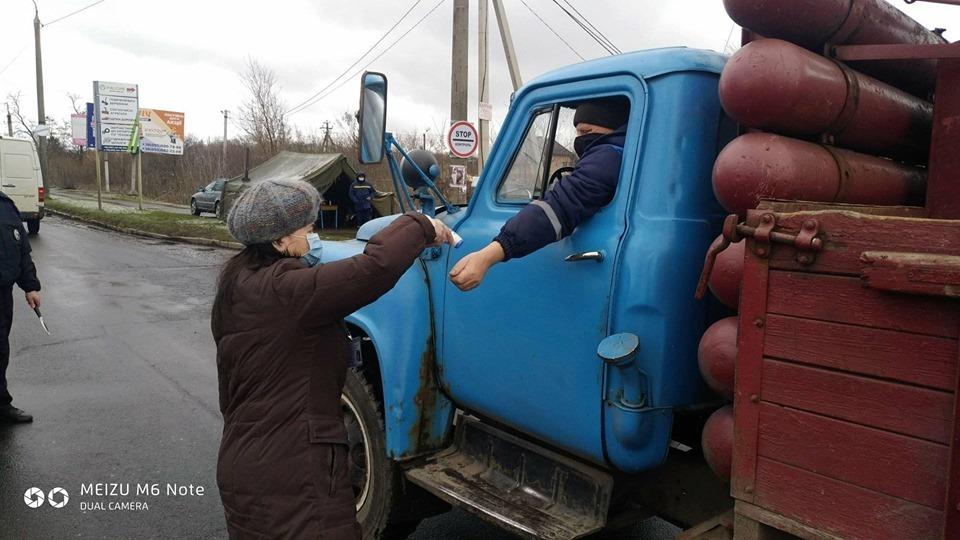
470,270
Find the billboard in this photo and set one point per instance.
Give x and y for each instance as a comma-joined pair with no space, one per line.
91,128
78,129
161,132
117,106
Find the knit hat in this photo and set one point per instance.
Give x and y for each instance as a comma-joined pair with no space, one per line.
611,112
271,209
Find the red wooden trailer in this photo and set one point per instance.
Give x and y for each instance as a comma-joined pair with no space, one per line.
845,418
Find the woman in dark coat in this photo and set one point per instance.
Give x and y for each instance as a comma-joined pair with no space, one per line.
283,468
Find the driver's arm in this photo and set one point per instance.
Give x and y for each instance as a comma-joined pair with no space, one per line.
573,199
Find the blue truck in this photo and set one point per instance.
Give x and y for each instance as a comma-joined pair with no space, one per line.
563,393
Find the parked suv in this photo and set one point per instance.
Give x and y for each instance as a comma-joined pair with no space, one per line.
207,198
20,179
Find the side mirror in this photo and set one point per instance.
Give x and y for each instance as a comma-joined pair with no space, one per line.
373,116
201,189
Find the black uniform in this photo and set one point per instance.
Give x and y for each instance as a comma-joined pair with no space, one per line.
16,266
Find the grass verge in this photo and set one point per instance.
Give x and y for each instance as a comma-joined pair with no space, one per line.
159,222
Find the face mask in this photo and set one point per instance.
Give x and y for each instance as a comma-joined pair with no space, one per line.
312,257
581,143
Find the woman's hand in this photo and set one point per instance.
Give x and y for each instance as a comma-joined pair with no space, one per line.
444,236
469,271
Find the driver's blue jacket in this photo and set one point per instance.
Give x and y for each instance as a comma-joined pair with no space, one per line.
573,199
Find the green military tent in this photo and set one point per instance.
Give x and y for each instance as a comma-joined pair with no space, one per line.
331,174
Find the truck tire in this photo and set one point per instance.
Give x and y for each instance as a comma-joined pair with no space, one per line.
194,209
216,209
378,483
33,226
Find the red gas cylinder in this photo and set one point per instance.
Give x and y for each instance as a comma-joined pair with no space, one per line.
727,274
717,441
779,87
813,23
758,166
717,356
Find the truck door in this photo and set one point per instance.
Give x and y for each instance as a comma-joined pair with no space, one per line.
521,347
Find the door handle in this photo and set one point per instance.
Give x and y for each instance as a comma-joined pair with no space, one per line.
585,256
9,185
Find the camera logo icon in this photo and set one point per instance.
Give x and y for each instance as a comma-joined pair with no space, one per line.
58,497
34,497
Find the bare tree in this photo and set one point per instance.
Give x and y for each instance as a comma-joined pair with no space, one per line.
346,136
79,107
26,127
263,115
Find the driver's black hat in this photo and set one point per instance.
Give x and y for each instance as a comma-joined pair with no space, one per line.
610,112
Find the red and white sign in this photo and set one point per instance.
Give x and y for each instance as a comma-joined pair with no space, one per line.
78,129
463,139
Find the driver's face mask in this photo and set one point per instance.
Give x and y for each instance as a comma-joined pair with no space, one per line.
582,142
312,257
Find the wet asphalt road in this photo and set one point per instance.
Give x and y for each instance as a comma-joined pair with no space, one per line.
125,392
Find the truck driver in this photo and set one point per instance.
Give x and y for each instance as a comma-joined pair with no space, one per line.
601,130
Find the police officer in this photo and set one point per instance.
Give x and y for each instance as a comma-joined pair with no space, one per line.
601,129
361,193
16,266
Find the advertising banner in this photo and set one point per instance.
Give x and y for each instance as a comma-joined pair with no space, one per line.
161,132
91,128
78,129
117,106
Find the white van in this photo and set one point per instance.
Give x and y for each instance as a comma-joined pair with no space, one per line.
21,181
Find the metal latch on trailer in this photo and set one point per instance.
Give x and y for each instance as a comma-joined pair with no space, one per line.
807,242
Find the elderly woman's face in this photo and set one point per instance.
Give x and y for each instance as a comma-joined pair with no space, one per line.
295,244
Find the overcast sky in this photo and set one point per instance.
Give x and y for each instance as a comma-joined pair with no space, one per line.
187,55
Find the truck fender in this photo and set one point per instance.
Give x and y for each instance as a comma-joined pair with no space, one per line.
417,416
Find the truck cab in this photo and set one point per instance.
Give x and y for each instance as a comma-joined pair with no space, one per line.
534,399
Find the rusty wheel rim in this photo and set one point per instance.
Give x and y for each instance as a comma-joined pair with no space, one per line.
358,441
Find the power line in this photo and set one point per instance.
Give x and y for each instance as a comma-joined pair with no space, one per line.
611,49
72,13
591,25
385,51
552,30
293,109
10,63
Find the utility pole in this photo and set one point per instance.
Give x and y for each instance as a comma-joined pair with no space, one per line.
458,78
41,115
507,39
223,151
9,122
325,144
483,80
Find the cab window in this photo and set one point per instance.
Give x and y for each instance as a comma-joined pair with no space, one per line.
545,155
521,183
